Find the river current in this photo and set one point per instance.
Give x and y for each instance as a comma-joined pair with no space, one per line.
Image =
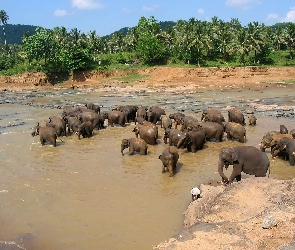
83,194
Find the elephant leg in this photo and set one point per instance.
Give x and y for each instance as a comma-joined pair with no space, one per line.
291,159
237,169
238,177
170,169
131,150
163,168
142,151
194,148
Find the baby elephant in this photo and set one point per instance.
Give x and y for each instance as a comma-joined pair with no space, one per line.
252,120
134,145
85,129
169,158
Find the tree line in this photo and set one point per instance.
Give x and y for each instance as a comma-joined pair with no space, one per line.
192,42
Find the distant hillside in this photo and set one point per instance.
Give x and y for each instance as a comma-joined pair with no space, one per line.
15,32
164,25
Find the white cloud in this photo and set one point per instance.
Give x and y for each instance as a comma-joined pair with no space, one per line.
150,8
59,12
86,4
241,4
201,11
126,10
290,16
272,16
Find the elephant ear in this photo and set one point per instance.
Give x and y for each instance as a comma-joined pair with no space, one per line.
234,155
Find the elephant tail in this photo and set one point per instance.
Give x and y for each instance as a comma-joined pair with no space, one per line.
268,170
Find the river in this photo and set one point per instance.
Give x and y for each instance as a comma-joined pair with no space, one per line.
83,194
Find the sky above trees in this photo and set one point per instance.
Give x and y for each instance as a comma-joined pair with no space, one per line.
108,16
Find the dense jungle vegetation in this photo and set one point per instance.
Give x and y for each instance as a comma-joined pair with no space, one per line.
191,43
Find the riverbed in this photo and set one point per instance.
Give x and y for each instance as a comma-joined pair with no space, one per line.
83,194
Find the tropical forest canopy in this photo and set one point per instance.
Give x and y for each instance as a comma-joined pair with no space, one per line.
187,43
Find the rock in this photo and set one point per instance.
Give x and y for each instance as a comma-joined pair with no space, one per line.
269,222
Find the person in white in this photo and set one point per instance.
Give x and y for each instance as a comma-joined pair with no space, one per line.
195,193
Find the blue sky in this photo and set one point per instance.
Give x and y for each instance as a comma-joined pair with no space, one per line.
107,16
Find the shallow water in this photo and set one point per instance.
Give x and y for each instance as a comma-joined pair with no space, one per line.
84,194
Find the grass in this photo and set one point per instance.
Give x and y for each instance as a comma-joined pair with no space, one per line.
289,81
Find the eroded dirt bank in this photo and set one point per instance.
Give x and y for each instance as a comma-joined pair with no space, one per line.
198,79
232,217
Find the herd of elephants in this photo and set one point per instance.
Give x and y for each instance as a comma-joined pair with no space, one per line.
180,131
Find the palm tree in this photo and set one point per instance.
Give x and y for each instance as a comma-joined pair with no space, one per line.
291,38
3,19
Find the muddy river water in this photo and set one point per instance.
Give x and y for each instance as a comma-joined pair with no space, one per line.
83,194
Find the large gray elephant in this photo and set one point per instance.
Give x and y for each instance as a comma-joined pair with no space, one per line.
58,124
147,133
235,115
235,131
129,111
213,130
72,124
194,140
141,112
46,134
85,129
154,114
247,159
252,120
134,145
90,116
188,121
173,135
212,115
169,158
115,117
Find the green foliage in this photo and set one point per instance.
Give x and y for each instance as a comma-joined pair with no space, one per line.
150,49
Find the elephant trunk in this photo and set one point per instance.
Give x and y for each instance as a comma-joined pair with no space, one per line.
182,141
122,149
220,171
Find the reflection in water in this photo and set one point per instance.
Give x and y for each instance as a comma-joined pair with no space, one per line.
84,194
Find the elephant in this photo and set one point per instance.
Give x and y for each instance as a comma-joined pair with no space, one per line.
134,145
147,133
115,117
235,115
154,114
270,140
72,123
247,159
283,129
141,112
85,129
288,145
212,115
194,140
174,135
213,130
235,131
70,111
91,116
169,158
46,134
188,121
129,110
252,120
93,106
139,120
152,125
58,124
177,118
292,132
166,122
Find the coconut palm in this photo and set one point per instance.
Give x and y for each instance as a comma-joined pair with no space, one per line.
3,19
290,39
